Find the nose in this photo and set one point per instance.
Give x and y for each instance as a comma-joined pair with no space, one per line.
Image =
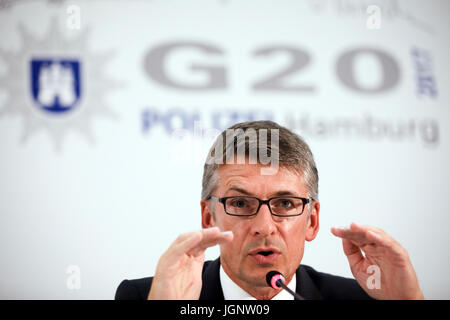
263,224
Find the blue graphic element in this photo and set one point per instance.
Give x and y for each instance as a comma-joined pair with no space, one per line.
219,120
55,84
425,78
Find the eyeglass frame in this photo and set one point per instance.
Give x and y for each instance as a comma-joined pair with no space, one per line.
223,200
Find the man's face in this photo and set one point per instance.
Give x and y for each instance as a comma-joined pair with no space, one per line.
284,236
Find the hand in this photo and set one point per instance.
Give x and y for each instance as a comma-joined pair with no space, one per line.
398,278
179,271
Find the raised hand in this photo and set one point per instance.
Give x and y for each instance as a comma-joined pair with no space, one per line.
398,278
179,271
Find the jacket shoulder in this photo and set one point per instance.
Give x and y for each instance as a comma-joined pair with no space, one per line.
335,287
136,289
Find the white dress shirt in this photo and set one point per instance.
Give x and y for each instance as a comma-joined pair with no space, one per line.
231,291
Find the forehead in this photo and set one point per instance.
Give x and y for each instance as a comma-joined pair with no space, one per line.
248,177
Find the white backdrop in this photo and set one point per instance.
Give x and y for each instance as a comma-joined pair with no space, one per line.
94,190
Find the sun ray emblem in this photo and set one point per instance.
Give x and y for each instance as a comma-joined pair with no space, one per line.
56,84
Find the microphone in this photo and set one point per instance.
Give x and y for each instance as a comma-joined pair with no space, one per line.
276,281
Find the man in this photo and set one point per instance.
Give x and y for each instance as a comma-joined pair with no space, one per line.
261,215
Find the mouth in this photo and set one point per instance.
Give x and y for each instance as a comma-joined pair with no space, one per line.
265,255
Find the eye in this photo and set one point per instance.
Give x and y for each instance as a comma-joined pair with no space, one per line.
283,203
286,203
239,203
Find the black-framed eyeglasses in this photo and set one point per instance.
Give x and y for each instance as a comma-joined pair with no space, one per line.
244,206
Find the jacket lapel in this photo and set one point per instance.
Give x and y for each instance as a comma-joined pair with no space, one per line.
305,286
211,287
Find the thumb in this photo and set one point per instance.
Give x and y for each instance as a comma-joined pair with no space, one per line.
353,253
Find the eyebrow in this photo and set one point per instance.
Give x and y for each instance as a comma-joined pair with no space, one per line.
277,194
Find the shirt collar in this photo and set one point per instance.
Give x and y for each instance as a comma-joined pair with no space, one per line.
231,291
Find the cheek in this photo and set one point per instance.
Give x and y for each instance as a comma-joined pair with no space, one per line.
240,234
231,251
293,228
293,234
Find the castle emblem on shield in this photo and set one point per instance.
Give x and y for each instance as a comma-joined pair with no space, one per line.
55,84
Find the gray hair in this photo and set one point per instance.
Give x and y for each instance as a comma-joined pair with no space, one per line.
291,152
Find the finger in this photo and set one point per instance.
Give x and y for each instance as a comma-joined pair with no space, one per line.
357,226
347,233
210,238
353,253
182,240
199,241
359,235
370,237
374,235
183,237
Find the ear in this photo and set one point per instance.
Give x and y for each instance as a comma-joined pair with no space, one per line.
312,227
207,216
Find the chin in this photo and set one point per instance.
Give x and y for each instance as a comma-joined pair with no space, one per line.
258,272
256,278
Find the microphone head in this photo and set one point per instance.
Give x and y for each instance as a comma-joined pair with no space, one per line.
272,278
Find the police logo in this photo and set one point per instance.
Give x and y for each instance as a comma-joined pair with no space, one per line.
56,84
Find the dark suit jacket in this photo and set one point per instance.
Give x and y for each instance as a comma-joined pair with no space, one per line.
311,285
